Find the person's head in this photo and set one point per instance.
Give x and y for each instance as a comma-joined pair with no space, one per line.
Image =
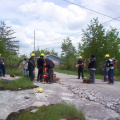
107,56
45,58
80,57
42,55
32,55
92,56
25,58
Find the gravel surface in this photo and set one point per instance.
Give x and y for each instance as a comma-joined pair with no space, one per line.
99,101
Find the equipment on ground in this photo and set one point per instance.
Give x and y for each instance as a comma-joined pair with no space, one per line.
40,90
87,80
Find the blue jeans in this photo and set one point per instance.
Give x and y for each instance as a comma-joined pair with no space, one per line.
105,73
111,76
92,76
0,69
26,73
3,69
31,74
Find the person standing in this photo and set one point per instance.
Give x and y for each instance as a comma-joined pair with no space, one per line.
25,67
92,67
40,64
49,65
31,66
110,68
105,71
80,65
2,66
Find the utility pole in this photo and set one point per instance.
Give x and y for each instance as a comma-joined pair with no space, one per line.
34,51
34,41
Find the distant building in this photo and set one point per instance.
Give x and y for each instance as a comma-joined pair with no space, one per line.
53,58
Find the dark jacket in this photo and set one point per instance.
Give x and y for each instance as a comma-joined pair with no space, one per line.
40,62
92,63
49,63
80,62
31,64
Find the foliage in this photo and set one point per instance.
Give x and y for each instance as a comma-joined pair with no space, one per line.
68,56
45,52
98,42
6,35
51,112
16,84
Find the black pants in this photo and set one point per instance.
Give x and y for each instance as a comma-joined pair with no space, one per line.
40,74
80,70
50,72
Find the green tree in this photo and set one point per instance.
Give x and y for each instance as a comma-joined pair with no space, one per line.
96,41
68,55
6,35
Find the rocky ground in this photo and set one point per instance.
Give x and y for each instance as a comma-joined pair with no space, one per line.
99,101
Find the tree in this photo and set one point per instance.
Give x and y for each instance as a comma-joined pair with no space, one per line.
96,41
6,35
68,55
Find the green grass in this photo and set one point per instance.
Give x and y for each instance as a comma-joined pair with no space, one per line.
97,76
17,72
51,112
22,83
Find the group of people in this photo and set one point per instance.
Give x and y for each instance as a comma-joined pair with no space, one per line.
42,63
2,66
108,68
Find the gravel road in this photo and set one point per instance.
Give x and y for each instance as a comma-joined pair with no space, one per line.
99,101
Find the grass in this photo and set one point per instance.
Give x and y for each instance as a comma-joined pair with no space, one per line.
97,76
51,112
17,72
22,83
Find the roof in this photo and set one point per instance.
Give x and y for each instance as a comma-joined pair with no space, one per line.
52,55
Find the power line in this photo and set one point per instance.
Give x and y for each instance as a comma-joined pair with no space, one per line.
89,9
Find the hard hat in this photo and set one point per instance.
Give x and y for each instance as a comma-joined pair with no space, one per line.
80,57
0,54
32,54
45,58
40,90
25,57
42,54
107,55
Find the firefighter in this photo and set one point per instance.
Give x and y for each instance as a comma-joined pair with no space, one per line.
25,67
92,67
31,66
40,64
49,65
80,65
110,68
2,66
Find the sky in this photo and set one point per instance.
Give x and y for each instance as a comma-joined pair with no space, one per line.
55,20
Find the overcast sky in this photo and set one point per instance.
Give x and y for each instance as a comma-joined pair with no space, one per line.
54,20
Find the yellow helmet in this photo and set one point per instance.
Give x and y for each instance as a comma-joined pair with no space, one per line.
107,55
42,54
25,57
32,54
0,54
80,57
40,90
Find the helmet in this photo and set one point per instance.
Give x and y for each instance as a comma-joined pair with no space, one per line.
107,55
0,54
32,54
42,54
45,58
80,57
25,57
40,90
